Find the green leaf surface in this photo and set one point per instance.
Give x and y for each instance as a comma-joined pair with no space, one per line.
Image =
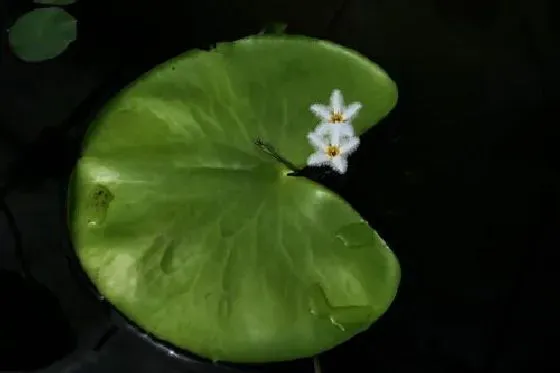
201,238
55,2
42,34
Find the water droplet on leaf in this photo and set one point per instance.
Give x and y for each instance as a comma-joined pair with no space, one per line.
99,201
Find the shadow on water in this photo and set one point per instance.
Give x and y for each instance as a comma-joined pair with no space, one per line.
31,317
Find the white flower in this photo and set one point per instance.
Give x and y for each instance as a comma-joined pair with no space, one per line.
334,154
336,119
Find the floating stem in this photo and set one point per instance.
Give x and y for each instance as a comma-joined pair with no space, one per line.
269,149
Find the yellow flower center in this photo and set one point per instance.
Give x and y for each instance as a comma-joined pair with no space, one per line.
336,118
333,151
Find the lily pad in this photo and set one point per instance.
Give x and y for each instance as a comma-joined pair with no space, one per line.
55,2
200,237
42,34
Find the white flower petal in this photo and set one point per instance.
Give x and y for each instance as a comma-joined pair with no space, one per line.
346,130
317,141
321,111
352,110
323,130
318,159
337,101
335,134
350,146
339,164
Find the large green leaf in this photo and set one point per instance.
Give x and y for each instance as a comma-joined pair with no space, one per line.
204,240
42,34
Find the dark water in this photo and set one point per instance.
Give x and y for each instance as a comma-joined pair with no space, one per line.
461,179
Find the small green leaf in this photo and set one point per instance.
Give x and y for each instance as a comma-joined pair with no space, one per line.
42,34
199,236
55,2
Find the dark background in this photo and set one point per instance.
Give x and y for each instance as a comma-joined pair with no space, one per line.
462,179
